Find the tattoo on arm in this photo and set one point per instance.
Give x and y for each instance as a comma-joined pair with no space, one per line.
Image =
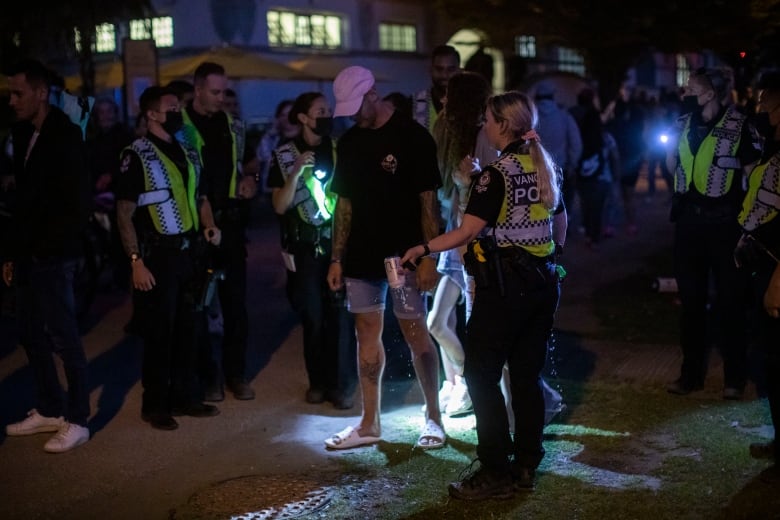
429,205
124,219
341,226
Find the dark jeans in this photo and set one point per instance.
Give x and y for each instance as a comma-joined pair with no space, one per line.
515,330
704,253
167,320
658,157
47,323
329,343
569,191
593,196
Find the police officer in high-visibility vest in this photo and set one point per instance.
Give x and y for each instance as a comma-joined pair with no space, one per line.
426,104
300,177
161,213
218,138
515,208
758,252
710,149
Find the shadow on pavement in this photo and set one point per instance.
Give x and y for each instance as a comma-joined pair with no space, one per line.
116,371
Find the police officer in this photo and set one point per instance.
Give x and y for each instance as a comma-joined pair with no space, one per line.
300,177
514,207
712,145
218,138
758,251
160,214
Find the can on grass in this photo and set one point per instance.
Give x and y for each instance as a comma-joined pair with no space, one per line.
665,284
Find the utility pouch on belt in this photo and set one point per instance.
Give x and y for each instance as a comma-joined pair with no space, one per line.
481,262
535,272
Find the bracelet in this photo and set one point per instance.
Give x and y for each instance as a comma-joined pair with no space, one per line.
335,260
426,249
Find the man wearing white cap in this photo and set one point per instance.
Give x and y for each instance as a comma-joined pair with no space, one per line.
386,178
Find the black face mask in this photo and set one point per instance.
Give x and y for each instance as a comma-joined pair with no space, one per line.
690,105
324,126
173,122
763,126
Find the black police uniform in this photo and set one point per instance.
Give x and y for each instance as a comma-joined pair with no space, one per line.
166,316
329,343
760,221
517,292
706,230
231,216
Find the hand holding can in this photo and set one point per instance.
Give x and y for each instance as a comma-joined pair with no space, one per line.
395,275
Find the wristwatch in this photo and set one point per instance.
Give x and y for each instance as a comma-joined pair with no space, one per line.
134,257
426,249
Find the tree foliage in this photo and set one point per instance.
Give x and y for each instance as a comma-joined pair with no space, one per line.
45,29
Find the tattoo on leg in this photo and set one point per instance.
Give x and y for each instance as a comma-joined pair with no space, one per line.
371,371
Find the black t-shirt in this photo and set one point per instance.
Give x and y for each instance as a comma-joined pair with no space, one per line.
130,182
217,155
382,172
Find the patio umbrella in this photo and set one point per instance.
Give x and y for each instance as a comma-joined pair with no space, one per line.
107,75
326,67
239,64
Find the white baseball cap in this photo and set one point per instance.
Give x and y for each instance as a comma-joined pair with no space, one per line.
349,87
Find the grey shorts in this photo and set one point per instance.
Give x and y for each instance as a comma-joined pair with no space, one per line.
370,295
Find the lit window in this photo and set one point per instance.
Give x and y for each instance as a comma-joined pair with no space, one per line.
160,29
105,38
570,60
397,37
317,31
682,70
525,46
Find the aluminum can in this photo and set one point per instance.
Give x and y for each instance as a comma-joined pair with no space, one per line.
665,285
395,275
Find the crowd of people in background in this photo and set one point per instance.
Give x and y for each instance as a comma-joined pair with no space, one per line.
442,205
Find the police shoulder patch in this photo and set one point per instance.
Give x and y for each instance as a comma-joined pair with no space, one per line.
482,182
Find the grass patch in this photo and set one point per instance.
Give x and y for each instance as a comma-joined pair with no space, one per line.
608,457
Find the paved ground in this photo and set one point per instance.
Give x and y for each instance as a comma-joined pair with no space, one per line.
129,470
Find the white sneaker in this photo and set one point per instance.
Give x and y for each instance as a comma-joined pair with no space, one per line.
69,436
460,401
444,395
35,423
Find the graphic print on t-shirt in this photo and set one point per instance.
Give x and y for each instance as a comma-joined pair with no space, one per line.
390,163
